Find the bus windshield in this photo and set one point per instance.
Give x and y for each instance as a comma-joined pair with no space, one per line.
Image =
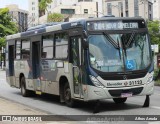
119,52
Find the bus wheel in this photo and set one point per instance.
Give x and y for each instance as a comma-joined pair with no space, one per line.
24,91
119,100
67,95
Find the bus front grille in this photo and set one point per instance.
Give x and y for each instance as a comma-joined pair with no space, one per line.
134,91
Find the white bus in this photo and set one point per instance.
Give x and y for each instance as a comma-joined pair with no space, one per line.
92,59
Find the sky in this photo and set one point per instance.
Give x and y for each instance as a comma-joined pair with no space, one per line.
23,4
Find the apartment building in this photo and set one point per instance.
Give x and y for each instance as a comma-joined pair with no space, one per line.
77,11
156,10
129,8
19,16
73,9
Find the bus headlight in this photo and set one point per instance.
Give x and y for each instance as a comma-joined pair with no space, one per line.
96,82
150,79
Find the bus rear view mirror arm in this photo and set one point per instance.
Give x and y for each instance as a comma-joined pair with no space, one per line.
85,44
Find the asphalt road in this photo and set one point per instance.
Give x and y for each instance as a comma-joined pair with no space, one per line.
51,105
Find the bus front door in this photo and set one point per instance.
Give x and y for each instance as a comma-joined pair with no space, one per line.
36,65
76,60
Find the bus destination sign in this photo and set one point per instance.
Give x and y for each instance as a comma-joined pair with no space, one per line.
111,25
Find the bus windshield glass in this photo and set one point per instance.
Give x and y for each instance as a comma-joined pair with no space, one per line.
119,52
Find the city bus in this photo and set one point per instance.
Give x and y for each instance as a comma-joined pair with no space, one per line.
88,60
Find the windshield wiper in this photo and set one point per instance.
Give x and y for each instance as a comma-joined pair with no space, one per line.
120,48
110,39
130,39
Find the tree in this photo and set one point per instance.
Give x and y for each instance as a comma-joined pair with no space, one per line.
43,4
7,27
55,17
154,31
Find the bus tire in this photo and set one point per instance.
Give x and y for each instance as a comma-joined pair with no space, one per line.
24,91
67,96
119,100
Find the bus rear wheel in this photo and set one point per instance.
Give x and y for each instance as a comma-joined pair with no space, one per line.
67,95
119,100
24,91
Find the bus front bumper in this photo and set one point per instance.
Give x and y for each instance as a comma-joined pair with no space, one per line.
96,93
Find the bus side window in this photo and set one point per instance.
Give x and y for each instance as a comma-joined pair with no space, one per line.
61,45
47,47
25,51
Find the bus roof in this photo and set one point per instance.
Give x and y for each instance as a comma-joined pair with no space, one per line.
49,27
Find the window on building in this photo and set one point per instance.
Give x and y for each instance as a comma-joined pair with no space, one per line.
47,47
126,4
49,6
33,3
120,5
85,11
18,49
109,8
150,16
61,45
127,14
150,8
25,51
68,11
33,8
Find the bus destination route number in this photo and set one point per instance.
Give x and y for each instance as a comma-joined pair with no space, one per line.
137,82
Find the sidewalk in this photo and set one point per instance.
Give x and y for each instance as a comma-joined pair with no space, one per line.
8,108
11,108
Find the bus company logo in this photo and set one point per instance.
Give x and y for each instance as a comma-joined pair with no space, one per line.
124,77
125,83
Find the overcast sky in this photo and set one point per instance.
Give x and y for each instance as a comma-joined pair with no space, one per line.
23,4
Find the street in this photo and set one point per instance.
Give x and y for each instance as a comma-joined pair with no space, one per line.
51,105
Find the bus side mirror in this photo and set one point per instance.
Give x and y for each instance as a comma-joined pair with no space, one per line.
85,44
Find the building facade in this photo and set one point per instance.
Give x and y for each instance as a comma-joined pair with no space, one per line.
19,16
156,10
77,11
129,8
72,9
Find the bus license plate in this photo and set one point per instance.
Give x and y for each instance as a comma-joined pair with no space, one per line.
126,95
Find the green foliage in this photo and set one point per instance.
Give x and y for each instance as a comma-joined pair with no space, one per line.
7,27
55,17
43,4
2,41
156,71
154,30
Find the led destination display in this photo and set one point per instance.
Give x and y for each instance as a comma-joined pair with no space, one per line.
114,25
